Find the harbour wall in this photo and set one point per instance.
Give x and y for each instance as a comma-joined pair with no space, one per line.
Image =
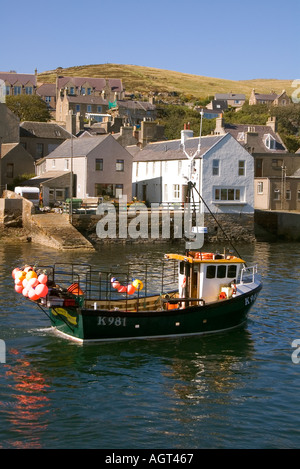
164,227
277,225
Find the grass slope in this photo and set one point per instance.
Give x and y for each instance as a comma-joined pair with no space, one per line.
137,79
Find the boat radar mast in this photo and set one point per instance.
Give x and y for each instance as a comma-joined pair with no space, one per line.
195,234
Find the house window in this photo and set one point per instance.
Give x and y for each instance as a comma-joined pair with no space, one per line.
241,168
260,187
53,163
99,164
72,90
179,167
39,150
82,90
99,108
7,90
48,99
89,91
176,191
120,165
216,167
227,194
17,90
28,89
270,142
288,194
77,107
10,170
241,136
89,108
277,163
276,194
66,164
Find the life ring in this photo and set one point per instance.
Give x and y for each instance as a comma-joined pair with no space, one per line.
204,255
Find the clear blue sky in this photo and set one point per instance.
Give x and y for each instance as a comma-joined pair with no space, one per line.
231,39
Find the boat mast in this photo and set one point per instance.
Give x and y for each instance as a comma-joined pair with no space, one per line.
194,231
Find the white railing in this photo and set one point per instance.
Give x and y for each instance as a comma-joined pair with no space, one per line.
247,274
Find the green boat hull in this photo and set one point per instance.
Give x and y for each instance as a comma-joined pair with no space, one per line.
108,325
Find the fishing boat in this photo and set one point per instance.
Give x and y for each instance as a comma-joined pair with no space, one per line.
184,294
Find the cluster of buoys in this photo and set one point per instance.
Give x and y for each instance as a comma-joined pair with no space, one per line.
129,289
30,283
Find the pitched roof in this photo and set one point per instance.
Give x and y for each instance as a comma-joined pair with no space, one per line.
77,146
43,130
257,144
87,99
115,84
171,149
226,96
13,77
47,89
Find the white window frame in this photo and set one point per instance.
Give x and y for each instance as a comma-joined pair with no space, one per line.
260,187
216,167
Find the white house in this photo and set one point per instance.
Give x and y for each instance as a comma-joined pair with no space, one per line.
227,171
100,166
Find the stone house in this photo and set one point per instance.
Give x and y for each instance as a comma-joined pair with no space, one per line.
100,166
15,160
226,100
41,138
47,92
276,171
86,96
272,98
13,84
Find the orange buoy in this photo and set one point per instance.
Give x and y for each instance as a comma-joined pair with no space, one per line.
222,296
74,289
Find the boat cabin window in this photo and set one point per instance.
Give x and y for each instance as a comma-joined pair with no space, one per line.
211,271
231,271
221,271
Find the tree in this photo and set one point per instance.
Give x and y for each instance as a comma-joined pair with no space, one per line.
174,117
28,107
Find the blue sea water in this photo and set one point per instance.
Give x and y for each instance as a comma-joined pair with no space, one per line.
238,389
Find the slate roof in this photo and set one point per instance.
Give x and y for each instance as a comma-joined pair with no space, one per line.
12,78
257,144
37,180
47,89
171,149
226,96
81,146
87,99
98,84
43,130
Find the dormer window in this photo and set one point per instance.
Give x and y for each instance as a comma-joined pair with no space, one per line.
241,136
270,142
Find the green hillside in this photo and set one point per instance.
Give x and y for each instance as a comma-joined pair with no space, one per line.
143,80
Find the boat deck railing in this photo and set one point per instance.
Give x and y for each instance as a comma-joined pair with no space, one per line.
248,273
97,285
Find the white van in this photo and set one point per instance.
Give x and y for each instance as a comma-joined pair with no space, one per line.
29,193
